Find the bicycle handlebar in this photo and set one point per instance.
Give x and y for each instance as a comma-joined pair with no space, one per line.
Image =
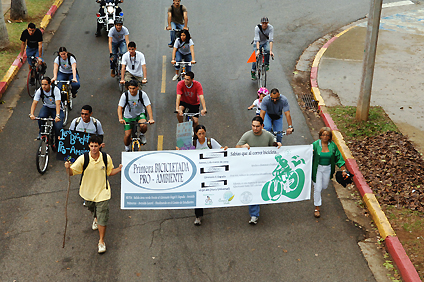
49,118
183,63
190,114
62,81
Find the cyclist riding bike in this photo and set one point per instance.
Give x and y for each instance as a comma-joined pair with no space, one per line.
50,95
183,50
65,69
189,96
32,38
86,123
264,38
272,108
118,40
177,19
133,104
133,65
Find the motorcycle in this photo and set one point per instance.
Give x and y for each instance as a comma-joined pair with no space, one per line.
108,13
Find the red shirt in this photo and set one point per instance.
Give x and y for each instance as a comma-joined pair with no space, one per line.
190,95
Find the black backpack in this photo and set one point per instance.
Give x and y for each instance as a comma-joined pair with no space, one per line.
87,160
79,119
181,11
140,98
69,59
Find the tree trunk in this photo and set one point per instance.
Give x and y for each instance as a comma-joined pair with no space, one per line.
4,37
18,10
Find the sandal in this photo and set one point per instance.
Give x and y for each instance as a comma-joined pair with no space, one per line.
316,213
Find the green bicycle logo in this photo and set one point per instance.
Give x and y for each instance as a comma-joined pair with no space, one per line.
288,180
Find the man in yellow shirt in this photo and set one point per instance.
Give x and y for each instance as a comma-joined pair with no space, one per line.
94,187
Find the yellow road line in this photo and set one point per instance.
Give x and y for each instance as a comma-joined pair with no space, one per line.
160,142
163,86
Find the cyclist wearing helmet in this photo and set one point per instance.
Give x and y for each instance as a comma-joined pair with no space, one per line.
264,37
118,38
262,92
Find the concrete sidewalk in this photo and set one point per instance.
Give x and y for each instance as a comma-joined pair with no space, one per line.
5,5
398,84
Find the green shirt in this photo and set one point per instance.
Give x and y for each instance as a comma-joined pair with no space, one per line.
336,158
266,139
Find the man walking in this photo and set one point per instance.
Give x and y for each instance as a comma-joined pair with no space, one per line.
257,137
272,108
95,167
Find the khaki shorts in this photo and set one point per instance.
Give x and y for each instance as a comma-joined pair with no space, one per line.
128,77
99,210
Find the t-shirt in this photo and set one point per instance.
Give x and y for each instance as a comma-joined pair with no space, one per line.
257,104
32,40
49,99
190,95
93,184
137,61
134,107
87,127
282,105
118,36
214,144
266,139
177,16
64,66
259,36
183,47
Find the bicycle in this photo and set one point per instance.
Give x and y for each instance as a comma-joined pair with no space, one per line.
183,68
177,34
118,66
261,68
36,73
46,141
66,97
136,134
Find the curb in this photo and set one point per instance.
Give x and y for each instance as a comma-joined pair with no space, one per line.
393,245
16,65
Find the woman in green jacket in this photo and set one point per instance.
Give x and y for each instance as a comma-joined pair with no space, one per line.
326,156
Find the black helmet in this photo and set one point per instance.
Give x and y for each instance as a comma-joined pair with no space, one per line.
119,21
264,20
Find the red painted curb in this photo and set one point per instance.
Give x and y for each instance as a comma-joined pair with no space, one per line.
329,42
314,73
329,121
2,88
52,10
359,179
406,268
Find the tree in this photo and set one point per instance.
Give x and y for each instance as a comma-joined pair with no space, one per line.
18,10
4,37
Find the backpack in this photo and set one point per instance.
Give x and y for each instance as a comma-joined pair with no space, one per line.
69,59
181,11
208,142
79,119
87,160
139,99
45,94
260,28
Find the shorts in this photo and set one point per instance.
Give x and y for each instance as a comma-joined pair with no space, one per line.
100,210
191,108
128,77
128,120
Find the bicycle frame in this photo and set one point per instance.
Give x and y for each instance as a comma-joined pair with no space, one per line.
135,135
183,68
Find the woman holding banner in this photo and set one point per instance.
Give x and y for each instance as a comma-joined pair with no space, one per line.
326,156
200,141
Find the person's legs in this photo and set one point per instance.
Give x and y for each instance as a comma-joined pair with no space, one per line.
277,125
58,125
322,179
198,212
254,63
115,46
254,210
61,76
123,46
266,50
102,212
172,33
31,52
44,113
75,85
178,58
188,58
267,123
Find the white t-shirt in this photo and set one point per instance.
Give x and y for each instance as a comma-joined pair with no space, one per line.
183,48
257,104
137,61
214,143
134,108
49,99
64,66
118,36
87,127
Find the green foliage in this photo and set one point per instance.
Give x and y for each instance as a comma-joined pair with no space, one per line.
345,118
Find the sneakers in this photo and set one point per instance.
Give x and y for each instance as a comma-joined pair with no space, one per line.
253,74
197,221
74,95
94,226
170,45
143,139
127,149
102,248
175,77
39,136
98,33
253,220
267,68
112,73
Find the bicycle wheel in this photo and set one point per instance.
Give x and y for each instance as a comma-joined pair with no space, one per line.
66,112
42,158
71,102
262,79
32,88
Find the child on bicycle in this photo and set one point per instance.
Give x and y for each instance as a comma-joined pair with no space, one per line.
262,92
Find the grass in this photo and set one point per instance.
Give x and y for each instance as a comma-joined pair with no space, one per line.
345,117
36,11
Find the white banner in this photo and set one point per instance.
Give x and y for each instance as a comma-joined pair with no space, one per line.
215,178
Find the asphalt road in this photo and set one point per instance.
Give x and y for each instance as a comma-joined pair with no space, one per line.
288,244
